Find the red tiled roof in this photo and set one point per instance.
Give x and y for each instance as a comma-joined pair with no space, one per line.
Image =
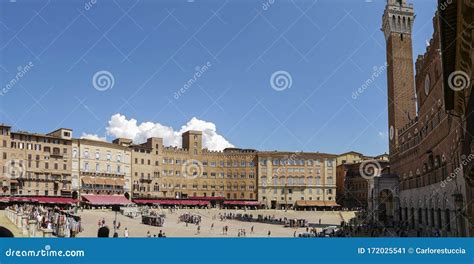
106,199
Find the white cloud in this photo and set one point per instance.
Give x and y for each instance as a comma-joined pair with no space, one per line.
382,135
120,126
93,137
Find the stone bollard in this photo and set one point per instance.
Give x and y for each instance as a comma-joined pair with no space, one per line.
32,228
24,228
18,220
47,232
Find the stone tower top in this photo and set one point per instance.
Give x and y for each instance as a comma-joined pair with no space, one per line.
397,18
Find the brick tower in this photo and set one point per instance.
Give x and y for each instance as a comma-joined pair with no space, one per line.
397,25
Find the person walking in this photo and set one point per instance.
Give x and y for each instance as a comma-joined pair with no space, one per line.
125,233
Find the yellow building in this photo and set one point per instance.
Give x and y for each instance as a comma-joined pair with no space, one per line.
35,164
303,179
191,171
100,167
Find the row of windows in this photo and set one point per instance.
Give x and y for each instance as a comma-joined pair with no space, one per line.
37,147
418,136
282,191
204,186
282,198
242,175
283,171
108,168
18,165
108,155
206,163
297,180
40,139
294,162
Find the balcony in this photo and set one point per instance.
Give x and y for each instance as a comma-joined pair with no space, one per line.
146,180
56,154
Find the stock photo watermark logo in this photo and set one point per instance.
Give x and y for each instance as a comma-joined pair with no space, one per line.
458,81
47,251
21,72
14,169
281,80
376,71
369,169
444,4
103,81
267,4
89,4
457,171
199,72
192,169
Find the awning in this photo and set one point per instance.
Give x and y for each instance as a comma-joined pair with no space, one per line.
311,203
99,181
87,180
109,181
332,204
42,200
20,199
105,199
242,203
173,202
120,182
55,200
207,198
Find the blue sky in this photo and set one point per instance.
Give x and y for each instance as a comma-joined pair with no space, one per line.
152,49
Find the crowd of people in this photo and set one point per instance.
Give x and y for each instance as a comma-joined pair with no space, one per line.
295,223
189,218
63,223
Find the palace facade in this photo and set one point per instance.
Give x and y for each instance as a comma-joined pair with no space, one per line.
57,165
424,137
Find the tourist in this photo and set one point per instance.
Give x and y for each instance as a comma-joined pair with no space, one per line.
103,232
148,233
269,233
125,233
251,230
160,234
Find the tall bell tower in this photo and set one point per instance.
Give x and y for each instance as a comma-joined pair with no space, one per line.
397,24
